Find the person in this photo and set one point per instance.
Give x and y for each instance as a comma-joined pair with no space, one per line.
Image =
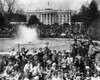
97,58
34,53
78,75
98,68
74,48
13,52
9,68
54,66
49,54
37,71
28,68
69,60
55,77
3,64
63,63
91,50
79,64
24,52
78,56
40,55
95,77
12,55
55,56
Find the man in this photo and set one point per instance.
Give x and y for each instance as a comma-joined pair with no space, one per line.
13,52
74,48
3,64
94,77
34,53
28,68
69,60
97,58
24,52
49,55
55,77
12,55
9,68
91,50
55,56
64,63
40,55
37,71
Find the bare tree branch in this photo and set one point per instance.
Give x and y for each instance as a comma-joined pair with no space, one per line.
10,5
2,6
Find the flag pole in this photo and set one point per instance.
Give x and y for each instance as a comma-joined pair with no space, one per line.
48,4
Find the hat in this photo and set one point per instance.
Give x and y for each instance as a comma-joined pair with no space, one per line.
49,62
26,79
87,67
36,78
54,64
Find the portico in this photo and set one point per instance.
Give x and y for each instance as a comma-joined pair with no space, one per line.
50,16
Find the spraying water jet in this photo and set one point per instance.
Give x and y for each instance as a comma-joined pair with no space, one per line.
27,34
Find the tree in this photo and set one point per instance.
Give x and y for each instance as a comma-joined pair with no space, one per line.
76,18
93,11
20,11
18,17
10,5
2,5
84,14
1,20
89,14
33,20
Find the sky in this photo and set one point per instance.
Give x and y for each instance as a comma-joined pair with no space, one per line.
55,4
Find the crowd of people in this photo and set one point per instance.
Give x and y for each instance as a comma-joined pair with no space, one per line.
48,31
8,32
57,31
81,63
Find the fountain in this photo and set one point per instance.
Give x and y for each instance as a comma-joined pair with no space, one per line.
28,37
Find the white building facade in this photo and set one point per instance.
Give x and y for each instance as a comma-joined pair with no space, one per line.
49,16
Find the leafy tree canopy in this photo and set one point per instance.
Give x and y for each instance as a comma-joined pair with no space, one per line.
33,20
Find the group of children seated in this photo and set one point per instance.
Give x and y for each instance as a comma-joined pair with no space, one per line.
82,63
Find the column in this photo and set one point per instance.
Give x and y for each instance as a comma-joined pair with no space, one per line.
66,18
69,19
41,18
46,19
62,19
59,19
54,18
50,19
